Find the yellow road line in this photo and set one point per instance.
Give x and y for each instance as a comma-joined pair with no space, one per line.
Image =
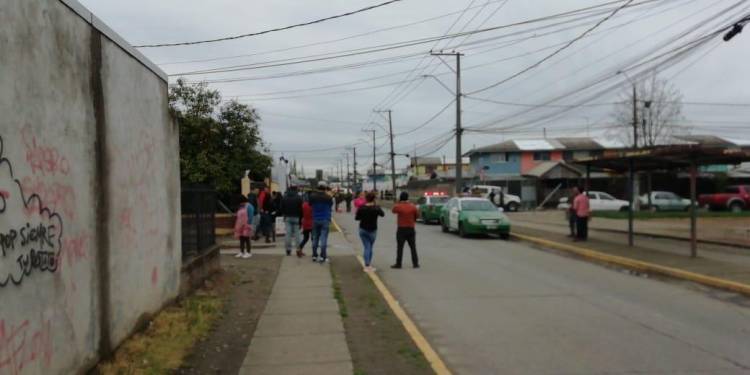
429,353
641,265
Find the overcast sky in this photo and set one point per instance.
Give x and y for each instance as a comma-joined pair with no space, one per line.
294,121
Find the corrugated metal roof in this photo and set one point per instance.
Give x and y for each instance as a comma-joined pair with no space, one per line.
580,143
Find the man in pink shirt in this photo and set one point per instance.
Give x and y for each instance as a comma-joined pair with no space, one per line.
582,212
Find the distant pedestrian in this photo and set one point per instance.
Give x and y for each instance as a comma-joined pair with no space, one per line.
348,198
252,199
307,226
322,204
367,216
583,212
405,233
291,209
571,212
360,201
491,197
243,229
267,208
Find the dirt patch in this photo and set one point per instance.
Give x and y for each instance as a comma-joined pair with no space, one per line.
377,340
224,348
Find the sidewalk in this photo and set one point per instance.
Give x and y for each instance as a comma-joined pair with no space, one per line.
716,261
300,330
719,231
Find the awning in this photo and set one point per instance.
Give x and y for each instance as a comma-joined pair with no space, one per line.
549,170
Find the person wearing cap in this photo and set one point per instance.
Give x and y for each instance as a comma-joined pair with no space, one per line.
407,214
321,203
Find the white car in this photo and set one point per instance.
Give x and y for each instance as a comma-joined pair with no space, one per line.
598,201
665,201
511,202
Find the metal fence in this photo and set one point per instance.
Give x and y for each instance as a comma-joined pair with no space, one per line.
198,220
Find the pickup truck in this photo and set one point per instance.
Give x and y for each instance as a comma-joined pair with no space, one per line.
734,198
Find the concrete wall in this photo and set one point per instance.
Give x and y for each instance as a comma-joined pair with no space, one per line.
89,189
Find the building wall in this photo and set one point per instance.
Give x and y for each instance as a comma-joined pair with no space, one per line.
88,163
496,167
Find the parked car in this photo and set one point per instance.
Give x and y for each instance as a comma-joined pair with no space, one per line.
664,201
474,216
734,198
511,202
430,206
598,201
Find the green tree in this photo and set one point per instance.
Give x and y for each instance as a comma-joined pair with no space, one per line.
218,143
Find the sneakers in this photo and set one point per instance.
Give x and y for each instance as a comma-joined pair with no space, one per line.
247,255
315,258
288,253
239,255
369,269
396,266
322,260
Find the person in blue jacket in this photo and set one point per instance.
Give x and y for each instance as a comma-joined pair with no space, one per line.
321,203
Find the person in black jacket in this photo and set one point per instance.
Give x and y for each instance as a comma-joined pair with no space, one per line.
268,208
367,216
291,208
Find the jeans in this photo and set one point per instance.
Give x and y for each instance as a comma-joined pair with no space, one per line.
582,227
305,237
245,245
292,233
572,223
368,240
266,224
320,237
406,235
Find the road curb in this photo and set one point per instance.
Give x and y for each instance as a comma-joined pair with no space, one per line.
640,265
429,353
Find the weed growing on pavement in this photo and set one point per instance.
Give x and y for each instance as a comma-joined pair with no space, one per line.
162,347
338,296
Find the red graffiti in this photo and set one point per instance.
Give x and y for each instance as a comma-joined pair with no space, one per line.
74,249
21,346
154,276
43,159
58,196
4,194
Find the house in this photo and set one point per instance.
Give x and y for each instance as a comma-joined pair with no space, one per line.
537,169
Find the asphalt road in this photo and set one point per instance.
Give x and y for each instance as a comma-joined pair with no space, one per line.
495,307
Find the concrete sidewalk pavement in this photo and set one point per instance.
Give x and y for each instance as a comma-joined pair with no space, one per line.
300,330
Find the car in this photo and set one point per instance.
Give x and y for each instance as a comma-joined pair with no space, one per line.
598,201
511,203
733,198
664,201
430,205
474,216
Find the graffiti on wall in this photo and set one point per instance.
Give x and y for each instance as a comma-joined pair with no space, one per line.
22,344
30,232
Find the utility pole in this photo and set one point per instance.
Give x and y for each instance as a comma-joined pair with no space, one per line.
374,163
459,129
348,176
354,152
635,117
393,153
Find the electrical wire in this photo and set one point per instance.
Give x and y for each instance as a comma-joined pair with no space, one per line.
270,30
553,54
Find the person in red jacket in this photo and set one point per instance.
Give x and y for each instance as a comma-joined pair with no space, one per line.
407,217
307,226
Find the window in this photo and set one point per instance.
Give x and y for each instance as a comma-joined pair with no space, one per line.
605,196
541,155
596,153
568,155
732,190
499,157
477,205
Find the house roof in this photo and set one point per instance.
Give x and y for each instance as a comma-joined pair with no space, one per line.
426,161
549,144
557,168
589,143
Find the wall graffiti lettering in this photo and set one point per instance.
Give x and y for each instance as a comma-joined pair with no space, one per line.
30,232
43,159
22,345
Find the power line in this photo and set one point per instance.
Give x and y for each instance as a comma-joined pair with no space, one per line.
325,41
270,30
553,54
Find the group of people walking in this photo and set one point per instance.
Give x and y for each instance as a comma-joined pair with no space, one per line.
579,214
307,217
